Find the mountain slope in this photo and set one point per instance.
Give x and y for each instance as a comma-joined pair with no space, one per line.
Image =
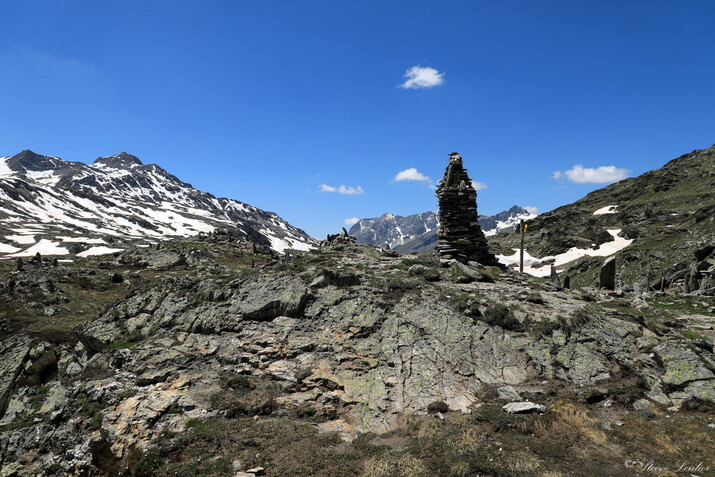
216,366
667,213
49,203
418,232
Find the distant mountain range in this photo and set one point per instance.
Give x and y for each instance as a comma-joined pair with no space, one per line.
418,232
50,206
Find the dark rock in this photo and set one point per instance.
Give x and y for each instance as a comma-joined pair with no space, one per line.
702,253
117,278
437,406
20,265
607,275
555,281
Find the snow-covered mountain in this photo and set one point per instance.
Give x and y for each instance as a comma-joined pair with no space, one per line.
393,230
418,232
48,204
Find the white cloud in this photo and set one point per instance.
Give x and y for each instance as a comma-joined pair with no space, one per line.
479,185
350,190
593,175
411,174
532,210
351,221
341,189
419,77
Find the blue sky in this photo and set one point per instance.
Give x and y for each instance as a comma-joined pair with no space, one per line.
277,103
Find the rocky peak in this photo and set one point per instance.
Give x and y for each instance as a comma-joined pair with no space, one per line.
119,161
28,160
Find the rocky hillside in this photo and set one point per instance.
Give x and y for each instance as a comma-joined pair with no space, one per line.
57,207
211,356
418,232
660,225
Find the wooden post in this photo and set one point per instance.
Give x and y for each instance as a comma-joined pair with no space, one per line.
521,248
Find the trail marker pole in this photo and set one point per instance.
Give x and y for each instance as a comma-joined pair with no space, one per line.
521,247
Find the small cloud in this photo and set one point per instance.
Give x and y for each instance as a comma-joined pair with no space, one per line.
350,190
593,175
411,174
341,189
531,210
351,221
419,77
479,185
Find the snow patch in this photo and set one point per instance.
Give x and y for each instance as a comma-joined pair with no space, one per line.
609,209
5,248
44,247
99,251
606,249
5,170
80,239
23,239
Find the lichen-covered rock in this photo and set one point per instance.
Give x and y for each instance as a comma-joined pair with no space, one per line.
268,298
13,355
583,365
682,364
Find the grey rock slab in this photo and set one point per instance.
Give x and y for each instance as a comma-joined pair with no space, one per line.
682,364
13,354
583,364
509,393
524,407
266,299
165,259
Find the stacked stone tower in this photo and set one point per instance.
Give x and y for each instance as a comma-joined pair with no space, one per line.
460,236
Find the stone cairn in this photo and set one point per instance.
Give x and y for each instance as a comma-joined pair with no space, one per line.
460,236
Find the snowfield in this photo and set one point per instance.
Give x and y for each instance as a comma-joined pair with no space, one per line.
609,209
606,249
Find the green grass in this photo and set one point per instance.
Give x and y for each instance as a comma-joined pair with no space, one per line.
692,335
682,304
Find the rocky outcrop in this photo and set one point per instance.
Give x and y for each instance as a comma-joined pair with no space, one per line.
353,338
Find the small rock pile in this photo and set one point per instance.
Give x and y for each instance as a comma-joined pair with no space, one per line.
460,236
343,237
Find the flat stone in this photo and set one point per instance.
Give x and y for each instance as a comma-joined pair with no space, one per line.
524,407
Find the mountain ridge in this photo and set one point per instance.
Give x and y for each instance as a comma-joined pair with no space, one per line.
121,197
418,232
